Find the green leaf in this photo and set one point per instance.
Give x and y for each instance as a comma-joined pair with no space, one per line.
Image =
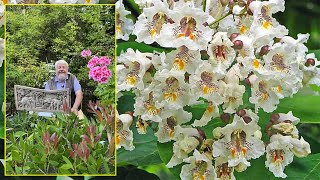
66,166
19,133
54,163
315,87
88,177
67,161
255,171
132,173
92,170
16,156
165,151
304,107
300,168
316,53
304,168
63,178
145,152
123,46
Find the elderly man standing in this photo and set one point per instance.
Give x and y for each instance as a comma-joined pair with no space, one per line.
64,79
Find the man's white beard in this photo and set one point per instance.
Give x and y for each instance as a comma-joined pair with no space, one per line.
62,76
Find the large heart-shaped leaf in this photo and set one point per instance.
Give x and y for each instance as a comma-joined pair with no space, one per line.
145,152
123,46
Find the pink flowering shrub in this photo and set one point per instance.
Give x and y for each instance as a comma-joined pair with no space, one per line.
86,53
98,67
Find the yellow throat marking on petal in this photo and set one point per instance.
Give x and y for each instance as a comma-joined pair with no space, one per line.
200,171
279,88
179,63
153,32
152,110
131,80
238,140
88,1
198,176
277,156
170,96
210,108
171,133
188,26
256,63
205,89
265,96
118,29
191,36
243,29
117,139
266,24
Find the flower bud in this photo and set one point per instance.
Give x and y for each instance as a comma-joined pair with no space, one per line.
241,112
238,44
241,3
129,112
309,62
247,81
247,119
284,128
264,50
217,133
233,36
224,2
225,117
274,118
202,135
301,148
249,12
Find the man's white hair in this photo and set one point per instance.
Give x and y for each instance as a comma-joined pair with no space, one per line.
61,62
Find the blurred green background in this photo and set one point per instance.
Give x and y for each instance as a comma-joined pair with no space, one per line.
302,17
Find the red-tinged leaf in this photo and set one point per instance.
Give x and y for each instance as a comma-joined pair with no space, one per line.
45,137
72,154
55,143
111,148
90,111
52,137
97,138
75,146
79,152
92,130
85,138
98,113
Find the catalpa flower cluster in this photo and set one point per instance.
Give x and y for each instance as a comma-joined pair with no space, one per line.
221,51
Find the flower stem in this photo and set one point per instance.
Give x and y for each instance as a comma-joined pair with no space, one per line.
218,20
204,4
47,170
74,165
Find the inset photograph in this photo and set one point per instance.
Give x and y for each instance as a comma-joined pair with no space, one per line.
60,90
